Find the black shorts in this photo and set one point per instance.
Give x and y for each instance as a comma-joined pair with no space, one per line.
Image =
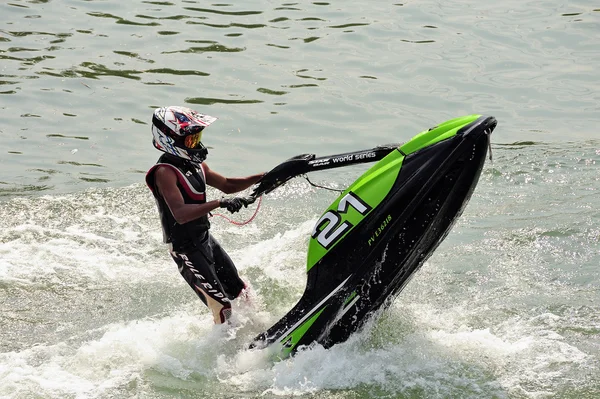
211,273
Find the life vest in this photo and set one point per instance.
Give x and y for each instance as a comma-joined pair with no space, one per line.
191,182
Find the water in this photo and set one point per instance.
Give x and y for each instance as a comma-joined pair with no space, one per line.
93,307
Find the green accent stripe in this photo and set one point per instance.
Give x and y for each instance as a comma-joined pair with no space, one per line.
347,301
437,134
290,341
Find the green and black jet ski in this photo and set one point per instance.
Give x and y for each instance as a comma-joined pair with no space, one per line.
380,230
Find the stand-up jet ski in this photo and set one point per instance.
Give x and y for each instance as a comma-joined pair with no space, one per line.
380,230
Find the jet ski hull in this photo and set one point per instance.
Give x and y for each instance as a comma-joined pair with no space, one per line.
372,240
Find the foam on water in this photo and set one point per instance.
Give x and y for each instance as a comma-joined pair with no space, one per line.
194,355
56,238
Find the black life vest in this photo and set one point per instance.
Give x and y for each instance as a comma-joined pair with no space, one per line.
192,185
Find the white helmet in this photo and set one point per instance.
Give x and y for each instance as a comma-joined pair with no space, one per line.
178,131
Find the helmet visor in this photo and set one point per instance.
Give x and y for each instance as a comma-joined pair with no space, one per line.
193,140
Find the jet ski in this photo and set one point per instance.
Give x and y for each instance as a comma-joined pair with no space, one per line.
372,239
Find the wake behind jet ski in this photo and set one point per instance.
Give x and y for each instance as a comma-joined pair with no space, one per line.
380,230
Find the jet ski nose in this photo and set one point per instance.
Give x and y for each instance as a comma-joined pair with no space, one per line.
478,133
488,134
482,128
489,125
483,125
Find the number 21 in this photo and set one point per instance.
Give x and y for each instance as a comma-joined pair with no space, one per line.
333,230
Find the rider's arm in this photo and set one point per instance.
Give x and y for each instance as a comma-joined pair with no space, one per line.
229,185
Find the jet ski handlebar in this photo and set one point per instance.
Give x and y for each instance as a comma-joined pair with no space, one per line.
304,163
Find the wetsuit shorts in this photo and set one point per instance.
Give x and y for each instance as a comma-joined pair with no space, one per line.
211,273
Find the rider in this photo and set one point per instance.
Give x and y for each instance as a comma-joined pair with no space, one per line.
178,182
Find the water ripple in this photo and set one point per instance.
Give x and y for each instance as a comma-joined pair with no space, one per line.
215,47
221,12
120,20
212,101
